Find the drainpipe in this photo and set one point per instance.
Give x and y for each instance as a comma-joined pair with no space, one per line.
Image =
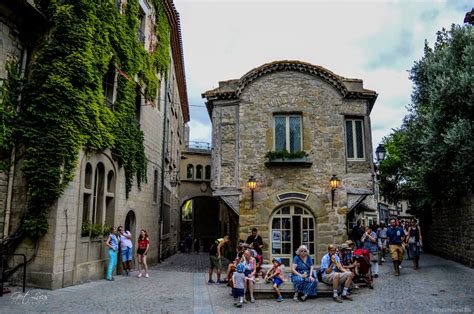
163,166
11,172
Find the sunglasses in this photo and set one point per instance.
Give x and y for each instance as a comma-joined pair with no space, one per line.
303,251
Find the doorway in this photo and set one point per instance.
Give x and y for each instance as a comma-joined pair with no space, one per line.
291,226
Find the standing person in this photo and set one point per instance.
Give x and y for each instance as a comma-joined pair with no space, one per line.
188,243
333,273
250,265
112,244
238,285
395,237
405,243
357,233
382,241
302,275
126,246
370,243
215,255
143,247
255,237
414,242
275,274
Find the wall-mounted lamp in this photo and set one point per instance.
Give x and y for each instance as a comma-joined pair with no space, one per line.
335,183
252,185
380,153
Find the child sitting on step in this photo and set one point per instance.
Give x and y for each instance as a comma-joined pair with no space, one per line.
275,274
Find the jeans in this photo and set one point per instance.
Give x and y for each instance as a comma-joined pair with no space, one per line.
127,254
112,263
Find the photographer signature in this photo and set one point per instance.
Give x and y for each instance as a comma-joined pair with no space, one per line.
30,297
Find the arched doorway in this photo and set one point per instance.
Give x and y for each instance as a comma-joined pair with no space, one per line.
291,226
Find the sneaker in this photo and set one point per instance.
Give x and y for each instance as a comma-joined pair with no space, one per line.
383,259
337,299
146,275
221,281
295,298
139,275
400,266
304,297
346,297
280,299
252,300
210,281
111,279
239,304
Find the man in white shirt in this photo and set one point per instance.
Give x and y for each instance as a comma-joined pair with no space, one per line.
126,249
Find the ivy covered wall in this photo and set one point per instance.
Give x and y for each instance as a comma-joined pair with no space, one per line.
63,109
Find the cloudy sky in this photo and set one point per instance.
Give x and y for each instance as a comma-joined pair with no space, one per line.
374,40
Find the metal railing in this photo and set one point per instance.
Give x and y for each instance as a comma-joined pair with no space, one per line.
198,145
2,271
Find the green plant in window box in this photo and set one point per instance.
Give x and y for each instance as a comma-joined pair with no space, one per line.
285,155
94,230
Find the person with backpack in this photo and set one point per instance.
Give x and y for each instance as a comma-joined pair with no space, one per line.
215,255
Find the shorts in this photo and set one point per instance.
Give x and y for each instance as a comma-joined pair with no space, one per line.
397,252
329,278
141,251
214,262
277,281
238,292
127,254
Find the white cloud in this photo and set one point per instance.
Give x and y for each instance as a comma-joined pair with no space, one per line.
375,40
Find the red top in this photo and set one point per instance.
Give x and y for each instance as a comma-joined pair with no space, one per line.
142,244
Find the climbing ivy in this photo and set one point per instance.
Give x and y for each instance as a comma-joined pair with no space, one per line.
63,108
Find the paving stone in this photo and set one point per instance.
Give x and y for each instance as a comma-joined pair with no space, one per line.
179,285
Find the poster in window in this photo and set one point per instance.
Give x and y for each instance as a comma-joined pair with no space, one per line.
277,246
276,236
305,236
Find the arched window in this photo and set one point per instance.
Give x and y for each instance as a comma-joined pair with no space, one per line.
198,172
291,226
208,172
190,172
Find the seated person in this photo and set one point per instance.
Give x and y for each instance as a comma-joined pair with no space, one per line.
275,274
259,260
346,257
334,273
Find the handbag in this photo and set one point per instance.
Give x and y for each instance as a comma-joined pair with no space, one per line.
411,240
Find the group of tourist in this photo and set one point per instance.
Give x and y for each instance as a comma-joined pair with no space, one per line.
120,241
401,236
339,266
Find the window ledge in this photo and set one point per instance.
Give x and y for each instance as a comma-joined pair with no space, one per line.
294,162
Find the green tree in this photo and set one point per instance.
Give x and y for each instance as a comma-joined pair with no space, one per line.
430,157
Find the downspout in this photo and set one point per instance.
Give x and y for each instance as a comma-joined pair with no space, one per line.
164,151
11,172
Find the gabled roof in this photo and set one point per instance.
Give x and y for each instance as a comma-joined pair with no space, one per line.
177,52
349,88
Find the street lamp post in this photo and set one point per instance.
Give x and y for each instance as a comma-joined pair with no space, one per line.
252,185
335,183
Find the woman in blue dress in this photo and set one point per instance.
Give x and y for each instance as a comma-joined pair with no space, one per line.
301,274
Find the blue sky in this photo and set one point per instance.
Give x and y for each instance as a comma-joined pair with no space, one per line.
376,41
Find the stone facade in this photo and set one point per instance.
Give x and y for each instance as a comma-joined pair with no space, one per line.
448,231
66,255
243,116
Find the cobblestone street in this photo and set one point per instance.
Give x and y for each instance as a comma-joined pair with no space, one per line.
179,286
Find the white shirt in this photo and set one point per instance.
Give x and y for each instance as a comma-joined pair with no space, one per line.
125,242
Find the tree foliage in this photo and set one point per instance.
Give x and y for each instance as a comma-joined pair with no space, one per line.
430,157
63,108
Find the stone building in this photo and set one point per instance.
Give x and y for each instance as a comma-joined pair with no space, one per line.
67,254
291,126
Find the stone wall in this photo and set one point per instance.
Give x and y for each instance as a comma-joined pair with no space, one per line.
449,232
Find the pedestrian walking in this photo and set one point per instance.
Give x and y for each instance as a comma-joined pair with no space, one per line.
357,233
143,247
126,246
370,243
112,244
395,237
382,241
414,242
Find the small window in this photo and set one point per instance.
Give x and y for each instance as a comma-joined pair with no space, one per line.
88,178
142,24
355,139
109,85
288,133
208,172
198,172
189,172
138,105
111,182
